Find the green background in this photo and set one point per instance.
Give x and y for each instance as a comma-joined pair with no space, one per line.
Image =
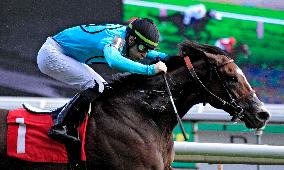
266,51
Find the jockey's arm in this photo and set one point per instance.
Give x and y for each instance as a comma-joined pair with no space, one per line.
117,61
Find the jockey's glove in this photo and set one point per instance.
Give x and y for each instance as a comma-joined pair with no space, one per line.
160,67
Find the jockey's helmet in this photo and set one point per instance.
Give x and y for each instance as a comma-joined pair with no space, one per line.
232,40
145,31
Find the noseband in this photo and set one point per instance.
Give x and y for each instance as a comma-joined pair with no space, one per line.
239,111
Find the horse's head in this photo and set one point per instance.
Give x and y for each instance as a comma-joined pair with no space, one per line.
222,83
214,14
244,49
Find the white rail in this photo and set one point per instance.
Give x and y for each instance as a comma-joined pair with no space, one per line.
224,153
224,14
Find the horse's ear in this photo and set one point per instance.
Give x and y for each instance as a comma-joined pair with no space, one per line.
215,59
191,49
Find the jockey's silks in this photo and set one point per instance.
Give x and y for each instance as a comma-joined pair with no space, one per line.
90,44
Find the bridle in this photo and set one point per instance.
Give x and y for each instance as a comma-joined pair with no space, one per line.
232,103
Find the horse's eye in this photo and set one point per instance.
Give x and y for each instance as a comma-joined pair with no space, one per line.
232,79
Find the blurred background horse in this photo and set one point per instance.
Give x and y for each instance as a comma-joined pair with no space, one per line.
195,17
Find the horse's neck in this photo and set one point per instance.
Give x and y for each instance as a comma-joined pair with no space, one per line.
237,50
147,96
184,99
152,101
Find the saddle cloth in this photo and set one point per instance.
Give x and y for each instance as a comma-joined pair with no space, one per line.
27,138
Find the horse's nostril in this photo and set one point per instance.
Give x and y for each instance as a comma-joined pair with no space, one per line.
263,115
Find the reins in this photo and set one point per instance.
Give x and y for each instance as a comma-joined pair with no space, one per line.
173,104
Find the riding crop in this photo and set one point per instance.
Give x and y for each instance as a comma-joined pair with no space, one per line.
174,106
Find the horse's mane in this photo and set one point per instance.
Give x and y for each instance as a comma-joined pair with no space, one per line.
123,80
194,50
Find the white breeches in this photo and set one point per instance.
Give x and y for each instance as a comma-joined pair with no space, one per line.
194,11
220,45
53,62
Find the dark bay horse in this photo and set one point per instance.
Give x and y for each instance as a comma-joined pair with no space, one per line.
130,127
198,26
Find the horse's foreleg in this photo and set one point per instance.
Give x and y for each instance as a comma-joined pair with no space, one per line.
170,153
3,133
181,29
208,37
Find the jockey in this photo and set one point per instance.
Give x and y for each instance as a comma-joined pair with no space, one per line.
193,13
65,57
226,44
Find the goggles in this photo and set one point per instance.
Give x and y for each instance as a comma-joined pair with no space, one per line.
142,48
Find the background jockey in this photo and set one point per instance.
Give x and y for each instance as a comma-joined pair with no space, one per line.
65,57
226,44
193,13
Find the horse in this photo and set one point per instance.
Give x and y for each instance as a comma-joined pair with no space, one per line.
130,126
198,26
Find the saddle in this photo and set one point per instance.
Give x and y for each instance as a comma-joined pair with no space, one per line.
36,110
34,120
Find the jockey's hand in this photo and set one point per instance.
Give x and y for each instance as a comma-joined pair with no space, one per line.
160,67
117,43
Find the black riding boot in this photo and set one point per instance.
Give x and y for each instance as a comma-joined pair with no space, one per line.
72,115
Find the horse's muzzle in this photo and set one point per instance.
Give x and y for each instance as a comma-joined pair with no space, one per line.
257,121
263,116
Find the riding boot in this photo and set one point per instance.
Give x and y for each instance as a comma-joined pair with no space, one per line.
72,115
